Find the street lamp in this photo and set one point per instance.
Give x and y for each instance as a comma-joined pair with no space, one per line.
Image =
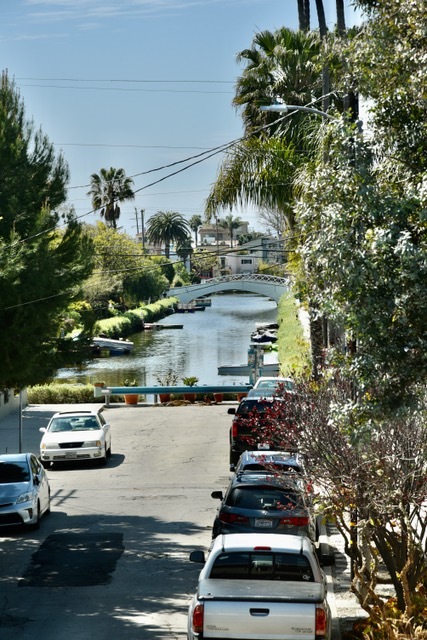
284,108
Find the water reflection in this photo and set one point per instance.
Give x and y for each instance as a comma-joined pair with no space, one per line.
220,335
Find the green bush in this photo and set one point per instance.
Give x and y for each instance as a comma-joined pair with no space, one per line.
57,393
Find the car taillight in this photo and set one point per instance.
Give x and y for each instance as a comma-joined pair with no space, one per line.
321,622
228,518
197,622
297,521
234,430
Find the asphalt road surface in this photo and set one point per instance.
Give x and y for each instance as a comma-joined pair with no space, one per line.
111,560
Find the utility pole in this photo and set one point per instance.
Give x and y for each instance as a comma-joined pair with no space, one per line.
143,229
136,218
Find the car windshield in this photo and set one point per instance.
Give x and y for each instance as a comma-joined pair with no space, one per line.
14,472
263,499
262,566
76,423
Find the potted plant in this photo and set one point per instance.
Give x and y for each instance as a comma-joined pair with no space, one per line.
190,381
130,398
167,379
218,397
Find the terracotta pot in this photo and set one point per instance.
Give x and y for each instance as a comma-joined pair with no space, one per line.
191,397
240,396
164,397
131,398
218,397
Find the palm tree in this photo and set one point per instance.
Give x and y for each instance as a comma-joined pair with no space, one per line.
107,189
194,223
258,172
231,224
281,64
166,227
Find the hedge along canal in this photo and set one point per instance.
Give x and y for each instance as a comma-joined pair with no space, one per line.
218,336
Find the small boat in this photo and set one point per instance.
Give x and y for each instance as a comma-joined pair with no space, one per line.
266,326
265,336
271,368
185,308
115,347
205,302
154,326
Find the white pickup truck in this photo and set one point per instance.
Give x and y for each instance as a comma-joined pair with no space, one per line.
257,586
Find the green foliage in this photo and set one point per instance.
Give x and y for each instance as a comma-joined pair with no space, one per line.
41,266
190,381
130,383
293,348
124,274
107,190
168,378
166,227
202,261
62,394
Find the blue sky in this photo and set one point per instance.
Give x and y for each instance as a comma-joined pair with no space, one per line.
138,84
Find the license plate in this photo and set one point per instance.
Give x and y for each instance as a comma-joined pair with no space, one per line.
263,523
71,455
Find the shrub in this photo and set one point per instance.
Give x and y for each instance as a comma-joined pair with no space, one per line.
57,393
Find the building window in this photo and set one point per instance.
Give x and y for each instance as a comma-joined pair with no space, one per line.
246,261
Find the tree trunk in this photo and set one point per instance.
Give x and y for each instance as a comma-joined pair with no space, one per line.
340,17
304,14
316,340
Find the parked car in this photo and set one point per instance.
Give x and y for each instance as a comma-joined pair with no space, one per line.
267,386
259,502
262,423
284,462
74,436
24,490
261,586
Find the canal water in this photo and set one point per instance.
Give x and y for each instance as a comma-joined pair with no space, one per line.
218,336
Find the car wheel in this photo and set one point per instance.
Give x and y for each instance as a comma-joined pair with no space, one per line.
36,524
109,452
47,512
103,461
234,457
216,530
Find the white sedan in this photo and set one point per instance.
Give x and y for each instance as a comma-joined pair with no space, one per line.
267,386
73,436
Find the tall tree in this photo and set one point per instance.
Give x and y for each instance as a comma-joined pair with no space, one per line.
166,227
231,224
107,190
41,266
194,223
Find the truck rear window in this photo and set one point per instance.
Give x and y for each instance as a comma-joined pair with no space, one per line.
262,566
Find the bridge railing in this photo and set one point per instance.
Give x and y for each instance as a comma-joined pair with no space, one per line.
176,390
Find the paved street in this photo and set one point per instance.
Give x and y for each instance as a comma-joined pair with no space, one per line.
111,561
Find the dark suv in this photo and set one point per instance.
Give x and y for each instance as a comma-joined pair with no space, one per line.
263,423
259,502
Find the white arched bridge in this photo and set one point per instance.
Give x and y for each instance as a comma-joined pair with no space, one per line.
271,286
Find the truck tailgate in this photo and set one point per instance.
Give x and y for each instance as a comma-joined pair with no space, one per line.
254,620
261,590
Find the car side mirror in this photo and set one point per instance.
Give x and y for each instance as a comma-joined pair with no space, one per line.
197,556
42,429
325,555
231,411
36,480
232,467
218,495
